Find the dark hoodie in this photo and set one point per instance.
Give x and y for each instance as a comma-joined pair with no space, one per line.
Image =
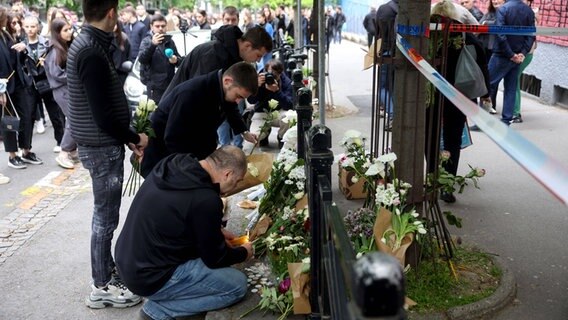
175,217
219,53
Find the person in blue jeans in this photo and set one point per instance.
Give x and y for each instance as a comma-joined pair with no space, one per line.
99,118
174,252
509,52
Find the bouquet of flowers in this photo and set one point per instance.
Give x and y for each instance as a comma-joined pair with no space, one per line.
397,222
286,184
271,115
141,124
359,226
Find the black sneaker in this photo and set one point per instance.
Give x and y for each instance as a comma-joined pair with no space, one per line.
16,163
448,197
31,158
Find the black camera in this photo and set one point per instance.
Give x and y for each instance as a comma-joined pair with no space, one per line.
269,79
183,25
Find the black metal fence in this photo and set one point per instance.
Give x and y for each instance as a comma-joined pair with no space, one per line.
342,287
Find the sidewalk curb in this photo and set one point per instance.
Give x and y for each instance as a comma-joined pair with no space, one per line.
485,308
501,298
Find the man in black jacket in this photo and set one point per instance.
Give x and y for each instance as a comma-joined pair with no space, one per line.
134,29
158,57
229,47
369,23
172,249
100,124
186,120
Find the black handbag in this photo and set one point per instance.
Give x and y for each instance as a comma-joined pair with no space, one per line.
42,86
10,122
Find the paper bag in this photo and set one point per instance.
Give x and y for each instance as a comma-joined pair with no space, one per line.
382,223
300,286
349,189
261,227
262,162
368,59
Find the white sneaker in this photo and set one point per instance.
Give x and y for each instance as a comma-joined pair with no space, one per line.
63,161
40,128
4,179
57,149
115,294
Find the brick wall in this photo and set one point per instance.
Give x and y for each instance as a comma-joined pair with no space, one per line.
551,13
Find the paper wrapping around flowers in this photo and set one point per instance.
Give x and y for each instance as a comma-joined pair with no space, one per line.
261,227
349,189
383,223
300,286
263,162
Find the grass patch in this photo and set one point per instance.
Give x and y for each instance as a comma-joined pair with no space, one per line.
435,288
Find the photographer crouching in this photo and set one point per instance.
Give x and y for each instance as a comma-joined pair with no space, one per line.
274,84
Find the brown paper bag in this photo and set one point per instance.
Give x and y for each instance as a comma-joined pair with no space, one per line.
302,203
349,189
300,286
263,162
368,59
261,227
382,223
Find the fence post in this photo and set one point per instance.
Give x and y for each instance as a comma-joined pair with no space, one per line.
304,111
319,160
379,286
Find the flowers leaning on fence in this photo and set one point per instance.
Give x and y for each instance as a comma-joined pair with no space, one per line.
141,124
397,222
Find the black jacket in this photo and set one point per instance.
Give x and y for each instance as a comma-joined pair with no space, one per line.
386,19
11,60
156,69
98,110
135,33
369,23
186,120
175,217
220,53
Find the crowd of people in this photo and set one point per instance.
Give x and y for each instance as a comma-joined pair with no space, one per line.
176,253
499,57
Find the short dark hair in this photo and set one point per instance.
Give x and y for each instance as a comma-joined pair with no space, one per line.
258,38
230,10
275,65
229,157
157,17
96,10
202,12
244,75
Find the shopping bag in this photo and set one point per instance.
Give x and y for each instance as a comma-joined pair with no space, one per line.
469,78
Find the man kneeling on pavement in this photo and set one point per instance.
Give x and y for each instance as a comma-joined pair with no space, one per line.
172,249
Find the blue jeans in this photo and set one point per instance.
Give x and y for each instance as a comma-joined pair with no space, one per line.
225,133
503,68
106,167
386,91
194,288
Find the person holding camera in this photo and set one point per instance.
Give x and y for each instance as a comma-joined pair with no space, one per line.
158,57
274,84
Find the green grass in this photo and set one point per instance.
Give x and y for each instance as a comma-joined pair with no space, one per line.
434,288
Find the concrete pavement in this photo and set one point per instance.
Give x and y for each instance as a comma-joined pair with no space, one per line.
46,211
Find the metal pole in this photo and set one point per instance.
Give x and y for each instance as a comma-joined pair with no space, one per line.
298,41
321,61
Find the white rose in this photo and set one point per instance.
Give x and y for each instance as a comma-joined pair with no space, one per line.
272,104
151,105
299,195
354,179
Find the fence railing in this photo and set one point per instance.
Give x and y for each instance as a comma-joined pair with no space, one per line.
342,287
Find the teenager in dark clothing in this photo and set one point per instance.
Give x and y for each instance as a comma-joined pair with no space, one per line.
157,68
186,120
370,25
100,124
173,251
229,46
135,30
12,57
